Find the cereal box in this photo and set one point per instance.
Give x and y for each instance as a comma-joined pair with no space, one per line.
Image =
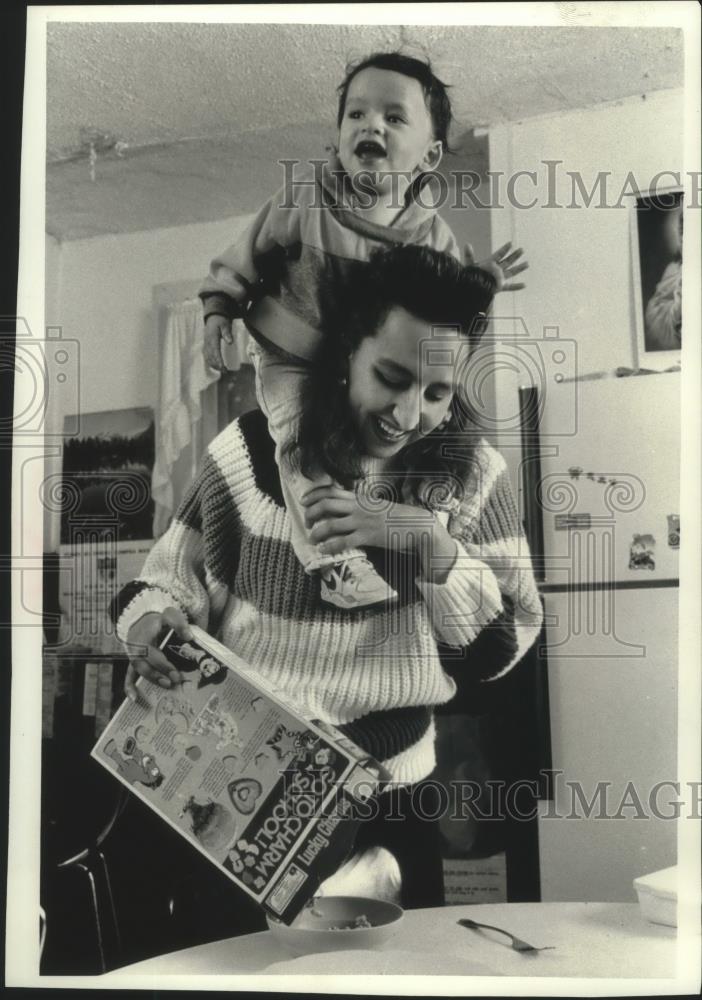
271,798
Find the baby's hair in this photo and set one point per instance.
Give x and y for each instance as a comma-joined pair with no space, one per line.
435,91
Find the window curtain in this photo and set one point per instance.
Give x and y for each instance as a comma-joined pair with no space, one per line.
188,404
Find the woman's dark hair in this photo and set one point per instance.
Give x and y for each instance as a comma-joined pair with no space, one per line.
435,92
432,286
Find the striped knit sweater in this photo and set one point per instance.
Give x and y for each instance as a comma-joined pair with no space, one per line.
228,563
301,245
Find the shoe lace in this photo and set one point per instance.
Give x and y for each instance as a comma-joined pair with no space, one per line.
345,570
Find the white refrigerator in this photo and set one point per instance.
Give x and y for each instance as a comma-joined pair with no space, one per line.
601,489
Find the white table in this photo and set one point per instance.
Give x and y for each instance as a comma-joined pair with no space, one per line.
592,940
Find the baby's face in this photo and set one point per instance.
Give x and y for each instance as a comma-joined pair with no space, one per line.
387,129
672,228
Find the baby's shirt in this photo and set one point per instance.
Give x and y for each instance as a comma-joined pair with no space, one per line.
301,244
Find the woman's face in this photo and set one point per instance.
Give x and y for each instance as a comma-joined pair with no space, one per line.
401,382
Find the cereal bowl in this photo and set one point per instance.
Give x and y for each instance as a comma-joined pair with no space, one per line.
337,923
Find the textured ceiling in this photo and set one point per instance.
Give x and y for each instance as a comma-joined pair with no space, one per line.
206,110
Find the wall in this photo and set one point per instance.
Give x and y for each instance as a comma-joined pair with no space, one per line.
471,224
100,292
580,276
464,213
107,304
609,721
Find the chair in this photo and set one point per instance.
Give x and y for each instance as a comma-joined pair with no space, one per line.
42,931
80,806
91,862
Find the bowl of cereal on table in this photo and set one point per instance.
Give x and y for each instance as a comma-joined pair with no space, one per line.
336,923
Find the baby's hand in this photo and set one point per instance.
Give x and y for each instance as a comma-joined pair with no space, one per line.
502,265
216,328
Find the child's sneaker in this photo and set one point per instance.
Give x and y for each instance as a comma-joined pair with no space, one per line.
354,583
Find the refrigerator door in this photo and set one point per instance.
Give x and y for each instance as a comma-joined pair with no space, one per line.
609,484
614,745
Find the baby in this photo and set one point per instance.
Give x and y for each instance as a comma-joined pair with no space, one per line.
376,189
663,316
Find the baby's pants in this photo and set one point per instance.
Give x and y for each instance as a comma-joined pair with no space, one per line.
279,380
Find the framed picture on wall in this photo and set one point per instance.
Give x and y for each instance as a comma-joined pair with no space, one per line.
656,240
106,511
106,482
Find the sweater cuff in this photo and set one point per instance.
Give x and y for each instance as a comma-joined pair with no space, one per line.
147,600
466,602
217,304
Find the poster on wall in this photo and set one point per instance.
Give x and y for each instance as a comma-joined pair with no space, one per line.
91,575
106,477
657,240
106,520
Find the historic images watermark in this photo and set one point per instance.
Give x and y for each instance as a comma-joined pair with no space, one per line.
523,800
551,186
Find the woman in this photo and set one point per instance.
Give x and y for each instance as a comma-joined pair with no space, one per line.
430,501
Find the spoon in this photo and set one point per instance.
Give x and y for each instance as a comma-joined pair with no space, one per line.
516,943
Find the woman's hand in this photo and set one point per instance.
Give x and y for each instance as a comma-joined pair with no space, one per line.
145,658
339,520
503,264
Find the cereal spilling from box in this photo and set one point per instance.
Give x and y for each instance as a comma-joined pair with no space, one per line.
271,798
